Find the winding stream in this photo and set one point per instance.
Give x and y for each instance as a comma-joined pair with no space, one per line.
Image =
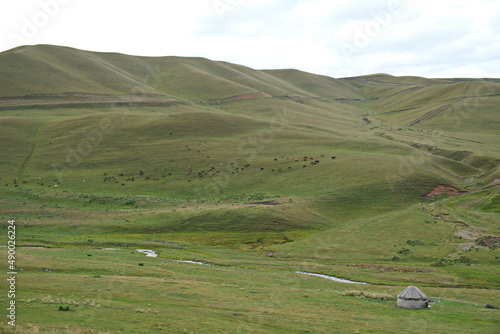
193,262
333,278
147,252
152,253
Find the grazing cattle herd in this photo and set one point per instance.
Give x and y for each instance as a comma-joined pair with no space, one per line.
278,164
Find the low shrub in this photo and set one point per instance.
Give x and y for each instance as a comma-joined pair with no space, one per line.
404,251
415,243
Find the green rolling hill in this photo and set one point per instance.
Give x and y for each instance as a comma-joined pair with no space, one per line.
278,170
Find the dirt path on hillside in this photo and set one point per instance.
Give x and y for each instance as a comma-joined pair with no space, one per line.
238,97
195,206
76,99
430,114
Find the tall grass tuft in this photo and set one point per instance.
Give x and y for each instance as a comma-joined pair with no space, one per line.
369,295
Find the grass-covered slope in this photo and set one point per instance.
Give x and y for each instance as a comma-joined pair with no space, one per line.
382,179
65,70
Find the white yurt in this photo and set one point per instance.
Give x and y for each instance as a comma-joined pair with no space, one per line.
412,297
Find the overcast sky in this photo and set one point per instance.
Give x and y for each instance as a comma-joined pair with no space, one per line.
338,38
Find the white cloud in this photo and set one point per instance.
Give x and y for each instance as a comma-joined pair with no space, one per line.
427,38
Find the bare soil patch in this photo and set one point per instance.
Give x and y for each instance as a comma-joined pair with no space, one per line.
469,232
443,190
489,241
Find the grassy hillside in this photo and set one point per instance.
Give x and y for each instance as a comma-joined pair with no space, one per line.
380,179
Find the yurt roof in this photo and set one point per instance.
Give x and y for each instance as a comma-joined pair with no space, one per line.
412,292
